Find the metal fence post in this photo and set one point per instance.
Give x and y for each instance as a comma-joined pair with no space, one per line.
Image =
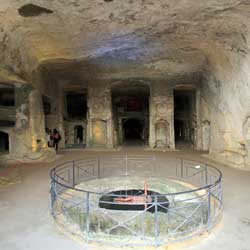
168,218
181,168
206,177
126,164
154,165
52,197
73,173
87,216
142,223
208,209
221,194
98,167
156,221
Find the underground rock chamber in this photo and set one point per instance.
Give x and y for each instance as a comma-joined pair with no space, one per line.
132,200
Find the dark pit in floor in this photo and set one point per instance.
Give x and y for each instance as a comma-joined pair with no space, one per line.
136,200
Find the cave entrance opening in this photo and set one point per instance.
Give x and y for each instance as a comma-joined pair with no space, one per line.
75,121
130,108
4,143
76,105
133,131
78,134
184,118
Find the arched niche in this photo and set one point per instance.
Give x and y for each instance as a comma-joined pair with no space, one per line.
206,133
130,101
99,129
161,133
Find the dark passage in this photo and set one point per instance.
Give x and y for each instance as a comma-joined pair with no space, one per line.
133,129
4,142
107,201
184,117
7,96
76,105
130,107
179,129
78,134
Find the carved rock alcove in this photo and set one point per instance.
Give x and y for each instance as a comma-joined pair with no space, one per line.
99,128
161,133
206,133
4,142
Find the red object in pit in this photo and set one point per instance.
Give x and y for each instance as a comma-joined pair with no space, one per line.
136,198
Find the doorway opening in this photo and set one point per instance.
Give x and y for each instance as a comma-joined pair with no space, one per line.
75,120
78,134
133,131
130,106
184,118
4,142
76,105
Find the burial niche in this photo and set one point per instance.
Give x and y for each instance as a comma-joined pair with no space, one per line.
4,142
99,128
162,133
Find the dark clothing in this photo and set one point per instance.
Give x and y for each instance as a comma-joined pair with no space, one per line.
56,139
55,144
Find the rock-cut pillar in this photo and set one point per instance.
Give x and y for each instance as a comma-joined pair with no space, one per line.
100,126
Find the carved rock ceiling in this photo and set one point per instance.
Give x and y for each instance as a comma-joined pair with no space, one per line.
86,39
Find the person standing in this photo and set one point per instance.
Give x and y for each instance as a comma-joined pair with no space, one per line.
48,135
56,139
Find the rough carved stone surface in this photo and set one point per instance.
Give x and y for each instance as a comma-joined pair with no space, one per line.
176,42
167,37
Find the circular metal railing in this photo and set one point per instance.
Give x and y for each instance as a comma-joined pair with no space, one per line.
194,195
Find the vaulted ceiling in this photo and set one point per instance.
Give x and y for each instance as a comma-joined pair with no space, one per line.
113,39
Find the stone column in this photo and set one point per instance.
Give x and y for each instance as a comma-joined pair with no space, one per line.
198,127
55,119
36,121
100,125
246,136
60,112
161,132
170,116
21,134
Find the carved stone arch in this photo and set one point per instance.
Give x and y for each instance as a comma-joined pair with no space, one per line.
122,83
99,128
161,133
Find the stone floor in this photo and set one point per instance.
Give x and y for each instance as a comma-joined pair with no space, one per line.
25,222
